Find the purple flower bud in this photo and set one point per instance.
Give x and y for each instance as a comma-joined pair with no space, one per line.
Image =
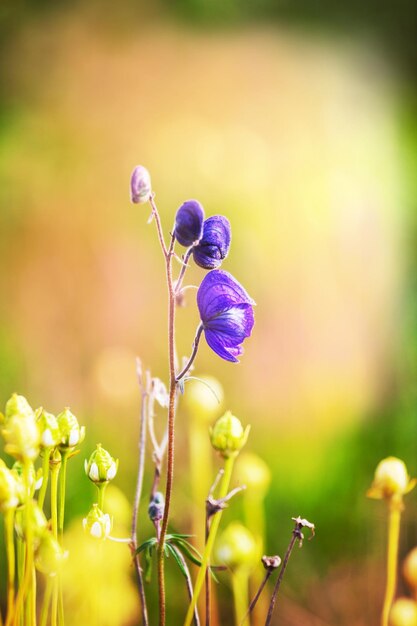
189,222
140,185
226,314
214,244
156,507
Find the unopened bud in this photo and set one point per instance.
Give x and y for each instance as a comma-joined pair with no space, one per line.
156,507
410,569
18,405
49,556
228,435
236,546
403,613
101,466
203,398
391,479
97,524
253,472
34,476
140,185
9,494
37,521
49,429
21,436
71,432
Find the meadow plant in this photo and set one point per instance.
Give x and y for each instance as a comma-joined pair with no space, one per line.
42,446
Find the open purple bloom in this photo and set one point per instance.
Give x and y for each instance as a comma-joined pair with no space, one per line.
214,244
189,222
226,314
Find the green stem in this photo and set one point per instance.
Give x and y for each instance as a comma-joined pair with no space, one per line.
394,519
54,498
45,477
62,487
46,601
240,583
101,488
223,490
25,586
11,563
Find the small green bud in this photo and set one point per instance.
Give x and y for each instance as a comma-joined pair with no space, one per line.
49,429
9,492
253,472
156,507
236,546
49,555
71,432
35,478
21,436
37,521
18,405
97,524
228,436
101,466
410,569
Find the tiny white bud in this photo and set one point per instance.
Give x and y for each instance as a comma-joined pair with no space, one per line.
95,530
93,473
47,439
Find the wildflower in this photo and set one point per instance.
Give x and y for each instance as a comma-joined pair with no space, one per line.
101,466
226,314
254,473
228,435
97,524
156,507
140,185
391,479
71,432
189,223
214,244
18,405
21,436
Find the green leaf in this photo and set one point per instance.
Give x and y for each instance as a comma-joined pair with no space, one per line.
148,567
177,559
146,544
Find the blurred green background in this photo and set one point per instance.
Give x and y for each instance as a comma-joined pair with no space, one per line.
298,122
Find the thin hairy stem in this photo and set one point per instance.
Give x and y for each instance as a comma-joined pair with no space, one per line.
138,494
295,537
223,489
171,431
394,519
183,270
257,596
193,353
155,215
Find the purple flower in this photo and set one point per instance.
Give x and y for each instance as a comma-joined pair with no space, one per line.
214,244
140,185
189,222
226,314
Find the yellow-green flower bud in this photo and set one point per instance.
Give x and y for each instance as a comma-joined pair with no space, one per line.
253,472
9,493
37,521
403,613
203,398
49,556
391,479
236,546
49,429
101,467
35,479
228,435
21,436
71,432
18,405
410,569
97,524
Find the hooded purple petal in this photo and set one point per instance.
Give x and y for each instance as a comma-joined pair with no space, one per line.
189,222
218,292
226,313
214,244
